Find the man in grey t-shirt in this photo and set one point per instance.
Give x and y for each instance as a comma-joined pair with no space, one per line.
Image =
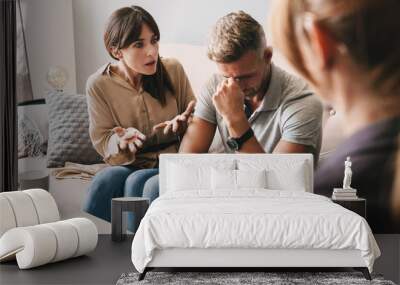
256,106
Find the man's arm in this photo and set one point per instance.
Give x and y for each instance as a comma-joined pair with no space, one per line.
237,127
288,147
198,136
300,124
240,126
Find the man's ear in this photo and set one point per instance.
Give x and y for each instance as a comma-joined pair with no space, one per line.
323,45
268,54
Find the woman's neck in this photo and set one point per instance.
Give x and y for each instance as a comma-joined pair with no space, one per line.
132,77
359,103
362,108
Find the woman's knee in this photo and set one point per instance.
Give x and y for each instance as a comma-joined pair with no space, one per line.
135,182
106,184
151,188
114,173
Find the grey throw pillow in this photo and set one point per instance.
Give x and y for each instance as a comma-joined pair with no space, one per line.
69,130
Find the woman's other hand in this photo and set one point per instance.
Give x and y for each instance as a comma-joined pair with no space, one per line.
179,123
129,137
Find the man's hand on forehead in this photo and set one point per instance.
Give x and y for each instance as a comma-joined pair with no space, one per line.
228,99
229,82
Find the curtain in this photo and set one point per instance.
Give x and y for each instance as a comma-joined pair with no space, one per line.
8,100
24,87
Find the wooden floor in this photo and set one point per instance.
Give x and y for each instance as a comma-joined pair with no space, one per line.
102,266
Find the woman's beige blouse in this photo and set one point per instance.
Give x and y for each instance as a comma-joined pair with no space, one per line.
114,102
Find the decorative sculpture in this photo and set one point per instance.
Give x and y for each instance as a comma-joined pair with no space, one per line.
347,174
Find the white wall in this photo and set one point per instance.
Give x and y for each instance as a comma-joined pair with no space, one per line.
180,21
50,41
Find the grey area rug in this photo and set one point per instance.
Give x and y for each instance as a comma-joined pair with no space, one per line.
269,278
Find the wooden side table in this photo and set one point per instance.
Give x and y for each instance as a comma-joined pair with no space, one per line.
357,205
136,205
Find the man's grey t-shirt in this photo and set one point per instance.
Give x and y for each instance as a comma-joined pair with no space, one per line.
289,111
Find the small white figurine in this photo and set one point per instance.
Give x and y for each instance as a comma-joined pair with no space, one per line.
347,174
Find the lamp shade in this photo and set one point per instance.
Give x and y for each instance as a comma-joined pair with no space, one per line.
57,76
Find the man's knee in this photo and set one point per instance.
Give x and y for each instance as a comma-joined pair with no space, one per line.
151,188
134,183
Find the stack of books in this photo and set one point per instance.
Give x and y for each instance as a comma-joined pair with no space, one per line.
344,194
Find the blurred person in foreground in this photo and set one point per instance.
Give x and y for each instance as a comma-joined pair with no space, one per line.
349,51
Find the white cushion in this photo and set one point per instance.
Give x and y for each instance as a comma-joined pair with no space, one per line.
184,175
31,246
283,174
40,244
292,172
293,180
34,244
67,237
45,205
23,208
222,179
251,178
27,208
87,235
7,217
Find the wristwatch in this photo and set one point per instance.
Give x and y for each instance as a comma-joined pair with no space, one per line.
236,143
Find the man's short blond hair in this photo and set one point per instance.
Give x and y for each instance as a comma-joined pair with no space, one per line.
233,35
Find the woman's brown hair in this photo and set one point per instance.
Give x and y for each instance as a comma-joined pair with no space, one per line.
123,28
369,29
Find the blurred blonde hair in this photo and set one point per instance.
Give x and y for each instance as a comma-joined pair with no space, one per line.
369,29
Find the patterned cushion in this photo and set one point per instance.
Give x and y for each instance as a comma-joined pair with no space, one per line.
69,131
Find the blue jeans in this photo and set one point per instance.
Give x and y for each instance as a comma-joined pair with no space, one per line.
117,181
152,185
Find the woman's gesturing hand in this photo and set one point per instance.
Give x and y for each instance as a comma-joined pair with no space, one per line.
129,137
179,123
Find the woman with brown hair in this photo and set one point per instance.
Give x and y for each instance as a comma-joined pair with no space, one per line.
128,102
349,51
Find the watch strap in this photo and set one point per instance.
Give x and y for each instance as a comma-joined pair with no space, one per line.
245,137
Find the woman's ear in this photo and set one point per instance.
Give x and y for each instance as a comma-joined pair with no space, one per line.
323,45
116,52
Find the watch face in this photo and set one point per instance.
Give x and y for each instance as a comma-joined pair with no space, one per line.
233,145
